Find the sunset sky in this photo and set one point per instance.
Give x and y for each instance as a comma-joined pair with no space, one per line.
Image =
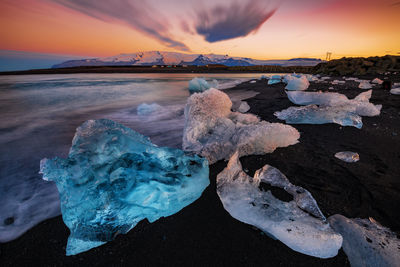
264,29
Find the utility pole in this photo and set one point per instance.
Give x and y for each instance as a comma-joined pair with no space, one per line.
328,56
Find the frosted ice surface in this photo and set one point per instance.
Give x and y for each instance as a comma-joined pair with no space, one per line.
214,132
348,156
366,243
244,107
395,91
359,105
377,81
146,109
312,114
115,177
197,85
254,81
297,84
298,223
365,85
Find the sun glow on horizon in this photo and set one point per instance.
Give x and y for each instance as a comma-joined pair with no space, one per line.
345,28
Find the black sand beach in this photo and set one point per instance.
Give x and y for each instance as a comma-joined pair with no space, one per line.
205,234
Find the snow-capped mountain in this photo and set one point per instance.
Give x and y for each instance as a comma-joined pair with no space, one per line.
174,58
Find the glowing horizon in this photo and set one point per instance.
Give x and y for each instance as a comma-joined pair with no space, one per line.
257,29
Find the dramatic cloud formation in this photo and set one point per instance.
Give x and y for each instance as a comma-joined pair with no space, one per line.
235,20
137,14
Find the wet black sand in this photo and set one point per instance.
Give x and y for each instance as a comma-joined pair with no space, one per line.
205,234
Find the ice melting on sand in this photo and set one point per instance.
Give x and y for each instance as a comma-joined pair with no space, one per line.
365,85
312,114
359,105
297,83
214,132
197,85
332,108
146,109
298,222
395,91
348,156
377,81
115,177
366,243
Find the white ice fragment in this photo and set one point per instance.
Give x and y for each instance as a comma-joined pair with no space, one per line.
348,156
244,107
298,223
146,109
377,81
254,81
364,85
395,91
338,82
214,132
359,105
298,84
331,88
351,79
367,243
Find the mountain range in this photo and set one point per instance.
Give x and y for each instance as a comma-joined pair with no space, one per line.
174,58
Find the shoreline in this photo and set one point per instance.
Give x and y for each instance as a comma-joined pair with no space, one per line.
166,69
203,233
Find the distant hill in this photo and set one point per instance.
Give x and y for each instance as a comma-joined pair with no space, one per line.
174,58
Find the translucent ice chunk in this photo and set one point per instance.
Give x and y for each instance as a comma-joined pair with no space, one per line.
298,84
214,132
197,85
359,105
146,109
298,223
274,79
115,177
348,156
366,243
313,114
395,91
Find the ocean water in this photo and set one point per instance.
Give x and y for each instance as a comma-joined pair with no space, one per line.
39,115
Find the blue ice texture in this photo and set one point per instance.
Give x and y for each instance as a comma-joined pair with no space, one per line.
115,177
198,85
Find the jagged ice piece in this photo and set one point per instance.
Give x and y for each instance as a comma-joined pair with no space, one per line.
290,222
213,131
313,114
367,243
115,177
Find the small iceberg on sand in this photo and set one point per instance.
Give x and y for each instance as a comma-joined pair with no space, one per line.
198,85
348,156
333,108
296,220
115,177
312,114
359,105
297,83
395,91
213,131
366,242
